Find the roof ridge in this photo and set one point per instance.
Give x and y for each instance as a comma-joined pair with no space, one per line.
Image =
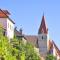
7,16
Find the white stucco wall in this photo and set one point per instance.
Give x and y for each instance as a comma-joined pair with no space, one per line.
9,26
10,29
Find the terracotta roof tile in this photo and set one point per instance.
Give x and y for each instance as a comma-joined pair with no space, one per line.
4,14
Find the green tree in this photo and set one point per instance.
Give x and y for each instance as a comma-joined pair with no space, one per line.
30,53
5,47
25,51
16,49
50,57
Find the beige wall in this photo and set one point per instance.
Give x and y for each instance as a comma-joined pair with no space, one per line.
42,44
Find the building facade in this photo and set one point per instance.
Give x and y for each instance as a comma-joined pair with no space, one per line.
7,23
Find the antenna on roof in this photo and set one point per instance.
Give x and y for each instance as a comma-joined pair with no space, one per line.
20,30
15,28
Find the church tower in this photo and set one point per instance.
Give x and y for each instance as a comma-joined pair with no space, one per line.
43,37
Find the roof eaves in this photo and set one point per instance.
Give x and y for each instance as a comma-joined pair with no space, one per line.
8,17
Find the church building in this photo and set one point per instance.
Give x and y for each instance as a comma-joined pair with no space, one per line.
41,41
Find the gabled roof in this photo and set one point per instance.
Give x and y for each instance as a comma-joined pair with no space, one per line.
57,50
32,39
43,28
5,11
4,14
51,43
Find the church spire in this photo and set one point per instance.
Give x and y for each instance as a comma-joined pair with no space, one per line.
43,28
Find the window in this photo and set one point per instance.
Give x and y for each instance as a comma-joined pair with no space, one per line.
12,27
42,37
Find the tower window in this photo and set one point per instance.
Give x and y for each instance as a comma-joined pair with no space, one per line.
42,37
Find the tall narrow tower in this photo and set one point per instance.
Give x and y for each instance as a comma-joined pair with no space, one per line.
43,37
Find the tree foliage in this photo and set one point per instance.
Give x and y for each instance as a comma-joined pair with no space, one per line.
50,57
5,48
25,51
16,49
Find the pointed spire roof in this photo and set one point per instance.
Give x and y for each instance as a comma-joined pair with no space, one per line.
43,27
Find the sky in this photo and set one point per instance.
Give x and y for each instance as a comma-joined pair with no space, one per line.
27,14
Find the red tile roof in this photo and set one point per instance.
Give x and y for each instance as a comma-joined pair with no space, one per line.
5,11
43,28
57,50
4,14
